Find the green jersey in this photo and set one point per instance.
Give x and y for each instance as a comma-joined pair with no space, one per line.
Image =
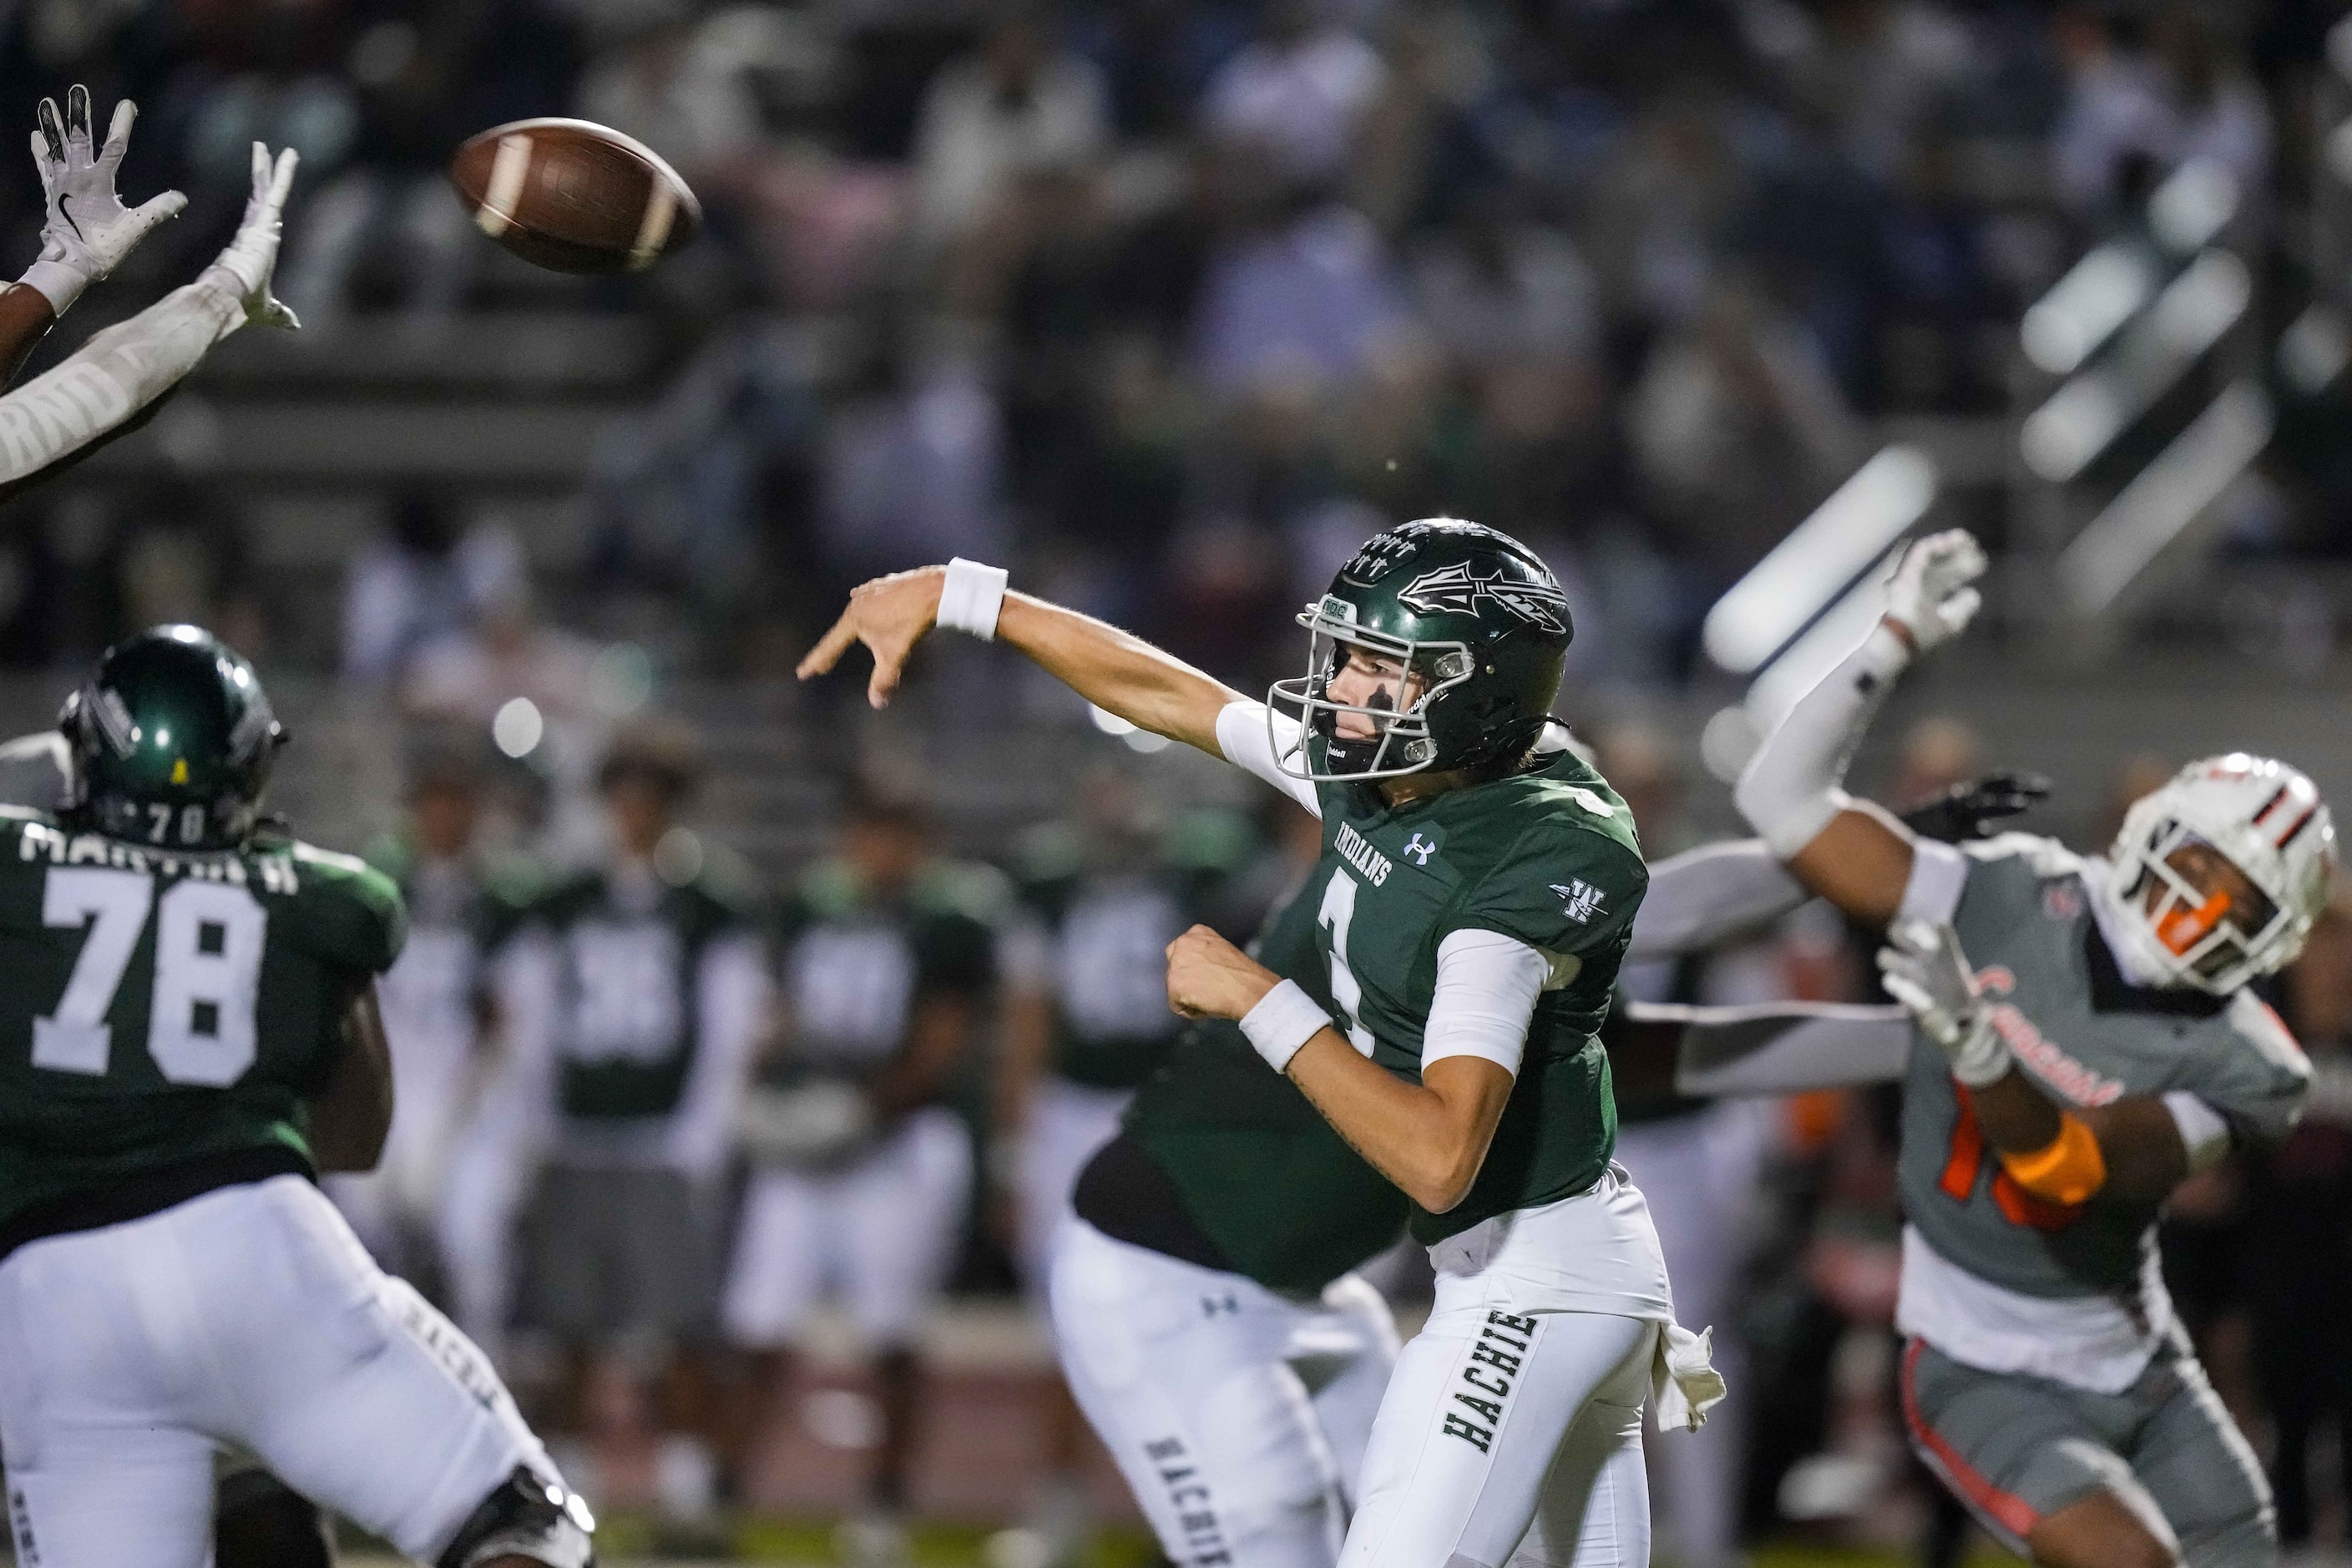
1095,937
856,967
630,984
1547,857
164,1017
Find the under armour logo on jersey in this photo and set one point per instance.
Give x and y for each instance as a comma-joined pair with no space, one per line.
1457,590
1581,899
1420,848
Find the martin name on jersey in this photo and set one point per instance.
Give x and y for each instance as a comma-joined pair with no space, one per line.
169,1013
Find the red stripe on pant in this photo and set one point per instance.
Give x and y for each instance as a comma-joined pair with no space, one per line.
2012,1512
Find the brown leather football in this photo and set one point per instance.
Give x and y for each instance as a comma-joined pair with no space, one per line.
574,197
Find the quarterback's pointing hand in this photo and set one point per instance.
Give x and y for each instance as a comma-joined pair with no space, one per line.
890,616
1209,977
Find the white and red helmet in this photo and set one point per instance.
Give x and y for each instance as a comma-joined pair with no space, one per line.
2266,819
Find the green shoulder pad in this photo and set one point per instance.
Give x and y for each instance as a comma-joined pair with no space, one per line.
971,889
1564,887
346,911
392,853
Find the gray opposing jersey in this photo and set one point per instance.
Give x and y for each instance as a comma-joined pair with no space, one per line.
2024,921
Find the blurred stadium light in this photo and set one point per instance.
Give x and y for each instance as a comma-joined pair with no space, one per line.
2162,505
1885,498
2083,309
2083,418
2107,287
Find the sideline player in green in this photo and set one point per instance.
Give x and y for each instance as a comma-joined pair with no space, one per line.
1434,989
189,1035
2084,1041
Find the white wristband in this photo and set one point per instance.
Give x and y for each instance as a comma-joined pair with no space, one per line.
58,284
970,598
1284,1019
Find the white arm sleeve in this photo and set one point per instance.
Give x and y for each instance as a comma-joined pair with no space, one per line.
1485,997
1790,792
111,377
1939,874
1253,738
1700,897
2202,1132
1784,1047
731,1000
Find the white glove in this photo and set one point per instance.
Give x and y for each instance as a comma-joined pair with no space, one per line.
816,1123
1929,594
1922,967
244,268
88,231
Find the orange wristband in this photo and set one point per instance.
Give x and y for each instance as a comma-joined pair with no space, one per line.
2067,1170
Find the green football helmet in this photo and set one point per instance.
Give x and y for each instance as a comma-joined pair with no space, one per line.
172,741
1468,614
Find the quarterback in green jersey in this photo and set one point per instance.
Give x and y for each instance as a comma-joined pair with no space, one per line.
2084,1039
1434,991
189,1036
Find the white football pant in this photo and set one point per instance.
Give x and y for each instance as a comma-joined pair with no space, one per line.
1239,1416
1068,1124
1512,1430
882,1229
250,1316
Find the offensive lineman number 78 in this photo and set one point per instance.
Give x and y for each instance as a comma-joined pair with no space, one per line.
208,943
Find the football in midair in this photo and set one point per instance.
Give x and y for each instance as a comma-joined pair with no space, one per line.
574,197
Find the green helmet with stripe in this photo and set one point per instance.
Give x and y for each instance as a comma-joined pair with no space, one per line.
1476,624
172,741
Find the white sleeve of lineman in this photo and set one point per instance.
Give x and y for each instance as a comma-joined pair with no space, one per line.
731,1000
111,377
1790,791
1485,997
1253,739
1700,897
1782,1047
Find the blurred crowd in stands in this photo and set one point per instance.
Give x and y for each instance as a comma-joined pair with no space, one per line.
1174,301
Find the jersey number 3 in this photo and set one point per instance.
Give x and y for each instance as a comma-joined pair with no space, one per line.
208,943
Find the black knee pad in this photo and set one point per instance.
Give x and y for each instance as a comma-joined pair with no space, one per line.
260,1521
528,1516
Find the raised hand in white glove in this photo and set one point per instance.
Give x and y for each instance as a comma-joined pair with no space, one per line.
88,231
244,268
1930,595
1922,967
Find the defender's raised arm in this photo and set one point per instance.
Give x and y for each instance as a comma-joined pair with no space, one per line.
1851,852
